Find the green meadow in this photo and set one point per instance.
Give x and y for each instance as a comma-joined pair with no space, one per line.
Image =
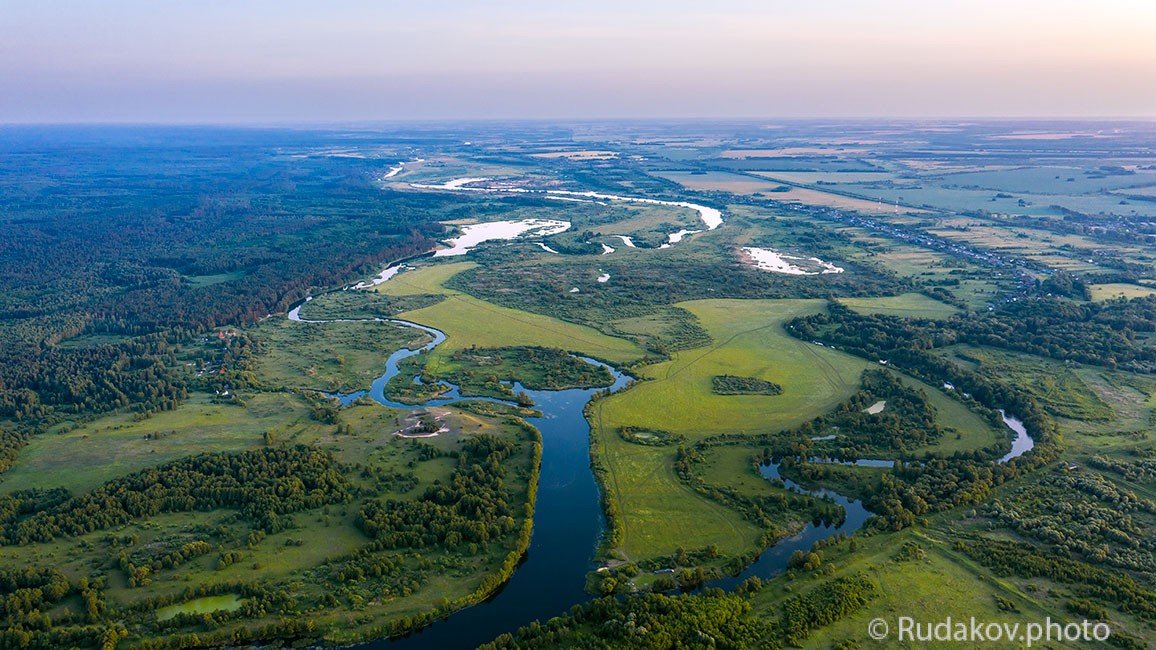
333,357
81,458
908,305
469,321
748,340
659,513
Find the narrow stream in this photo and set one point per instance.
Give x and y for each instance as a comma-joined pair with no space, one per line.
773,561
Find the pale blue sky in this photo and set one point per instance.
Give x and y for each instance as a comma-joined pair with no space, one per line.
335,60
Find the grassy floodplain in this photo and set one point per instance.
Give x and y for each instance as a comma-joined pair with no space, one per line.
469,321
333,357
659,513
749,340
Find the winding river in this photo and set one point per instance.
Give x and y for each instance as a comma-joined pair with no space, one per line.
568,518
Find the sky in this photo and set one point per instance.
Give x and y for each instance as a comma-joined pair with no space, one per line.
294,61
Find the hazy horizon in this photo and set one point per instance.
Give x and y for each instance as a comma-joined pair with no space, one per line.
294,62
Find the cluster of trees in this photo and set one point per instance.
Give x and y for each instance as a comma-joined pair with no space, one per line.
1109,334
138,568
26,596
1013,558
735,385
11,442
475,508
906,422
1067,285
1081,514
1142,470
264,485
710,619
823,605
649,437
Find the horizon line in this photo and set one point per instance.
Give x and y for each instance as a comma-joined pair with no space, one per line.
351,122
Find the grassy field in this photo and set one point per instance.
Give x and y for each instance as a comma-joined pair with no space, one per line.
908,305
1119,290
334,357
111,446
209,280
227,602
748,341
468,321
659,512
930,588
1058,386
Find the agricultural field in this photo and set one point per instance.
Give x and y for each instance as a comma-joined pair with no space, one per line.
1110,290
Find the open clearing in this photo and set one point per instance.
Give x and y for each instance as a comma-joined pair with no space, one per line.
1119,290
115,445
335,357
908,305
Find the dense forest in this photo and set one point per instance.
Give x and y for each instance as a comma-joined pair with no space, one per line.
131,242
